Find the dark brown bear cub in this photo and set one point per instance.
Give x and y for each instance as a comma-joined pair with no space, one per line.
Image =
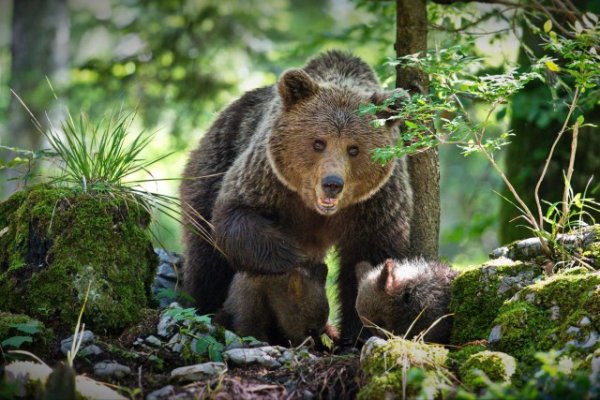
280,309
284,174
398,294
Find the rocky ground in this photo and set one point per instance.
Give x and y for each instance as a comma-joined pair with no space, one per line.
522,328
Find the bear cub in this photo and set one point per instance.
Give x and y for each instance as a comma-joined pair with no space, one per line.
278,309
393,294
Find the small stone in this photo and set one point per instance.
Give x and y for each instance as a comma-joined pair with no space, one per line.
585,321
154,341
371,345
530,298
232,341
162,393
266,356
109,369
66,344
573,330
199,371
91,350
554,313
591,341
495,334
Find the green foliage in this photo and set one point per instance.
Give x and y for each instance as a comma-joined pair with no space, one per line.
99,156
30,328
558,377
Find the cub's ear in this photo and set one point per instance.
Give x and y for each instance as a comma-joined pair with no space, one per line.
387,279
393,101
296,285
294,86
362,268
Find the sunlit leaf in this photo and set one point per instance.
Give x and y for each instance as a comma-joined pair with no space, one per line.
552,66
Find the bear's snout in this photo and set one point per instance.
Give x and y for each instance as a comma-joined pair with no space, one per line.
332,185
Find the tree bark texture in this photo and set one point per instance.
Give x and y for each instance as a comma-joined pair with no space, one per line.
39,49
411,37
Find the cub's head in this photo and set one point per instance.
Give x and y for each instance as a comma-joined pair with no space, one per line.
300,304
321,148
410,296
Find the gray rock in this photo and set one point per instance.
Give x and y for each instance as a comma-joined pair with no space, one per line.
199,371
266,356
573,330
585,321
232,341
91,350
530,297
495,334
65,345
587,343
554,313
154,341
162,393
371,345
167,325
110,369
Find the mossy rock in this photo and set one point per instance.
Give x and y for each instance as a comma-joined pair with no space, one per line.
479,292
54,242
561,312
399,367
497,366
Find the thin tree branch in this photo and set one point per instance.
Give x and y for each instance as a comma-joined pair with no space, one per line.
536,192
565,208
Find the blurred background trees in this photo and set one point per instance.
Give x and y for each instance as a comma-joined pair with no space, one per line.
178,62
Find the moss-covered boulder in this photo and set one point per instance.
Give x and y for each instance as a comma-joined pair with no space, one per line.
561,312
497,366
479,292
399,368
54,242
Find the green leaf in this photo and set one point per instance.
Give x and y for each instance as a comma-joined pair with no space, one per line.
31,327
580,120
16,341
547,26
552,66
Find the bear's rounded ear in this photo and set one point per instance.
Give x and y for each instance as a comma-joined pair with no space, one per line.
387,279
362,268
392,100
296,284
294,86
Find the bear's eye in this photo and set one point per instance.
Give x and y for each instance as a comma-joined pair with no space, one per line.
319,145
352,151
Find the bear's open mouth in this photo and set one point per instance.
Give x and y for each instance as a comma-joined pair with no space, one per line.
327,205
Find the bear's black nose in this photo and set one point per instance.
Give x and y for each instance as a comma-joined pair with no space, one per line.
332,185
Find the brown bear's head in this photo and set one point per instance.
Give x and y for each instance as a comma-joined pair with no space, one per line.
300,304
321,148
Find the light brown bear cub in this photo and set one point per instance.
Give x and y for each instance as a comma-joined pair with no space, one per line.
279,309
393,294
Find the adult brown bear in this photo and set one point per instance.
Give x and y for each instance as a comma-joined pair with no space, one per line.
285,173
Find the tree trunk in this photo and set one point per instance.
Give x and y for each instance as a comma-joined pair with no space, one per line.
411,37
39,49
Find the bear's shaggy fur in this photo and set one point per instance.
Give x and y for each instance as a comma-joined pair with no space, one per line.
393,294
284,174
279,309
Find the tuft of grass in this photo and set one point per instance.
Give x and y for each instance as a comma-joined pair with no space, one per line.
100,156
